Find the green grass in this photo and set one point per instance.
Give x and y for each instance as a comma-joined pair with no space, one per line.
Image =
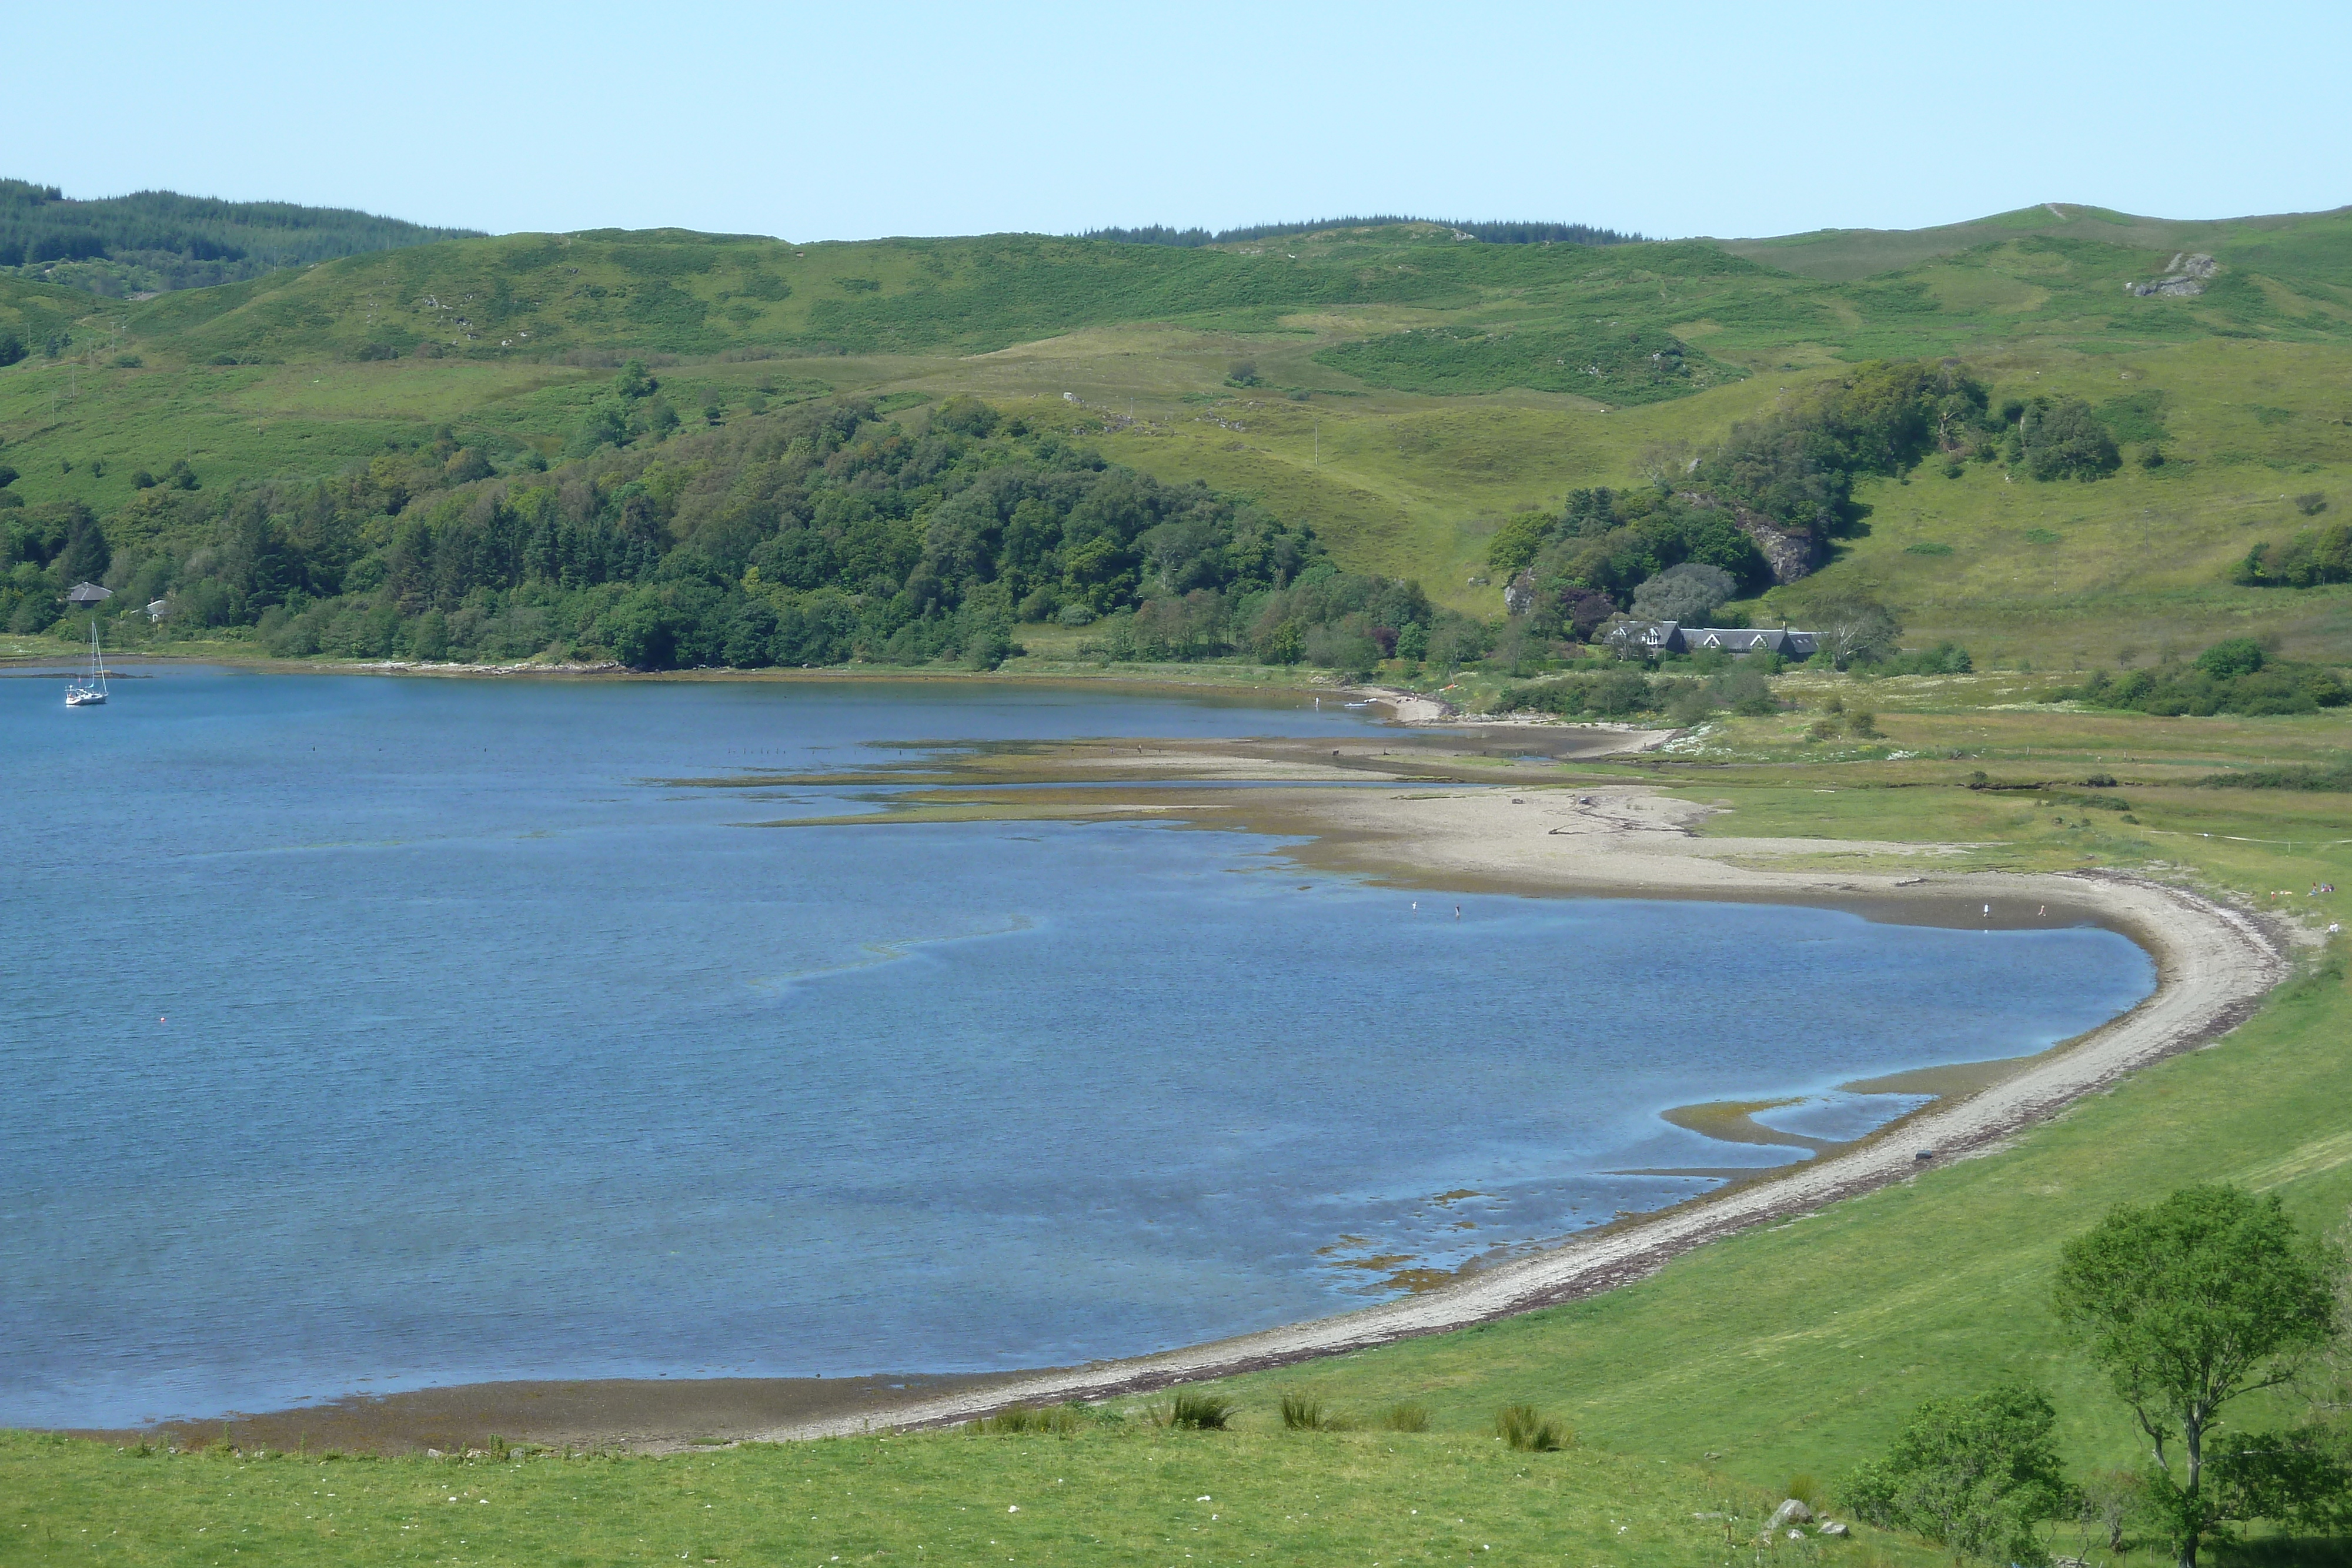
1123,1494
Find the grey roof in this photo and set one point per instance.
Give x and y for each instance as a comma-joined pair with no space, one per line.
1672,637
88,593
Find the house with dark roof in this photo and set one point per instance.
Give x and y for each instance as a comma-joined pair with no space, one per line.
82,595
1650,639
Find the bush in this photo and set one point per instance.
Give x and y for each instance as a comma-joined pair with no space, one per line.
1688,593
1021,1419
1976,1475
1943,659
1201,1412
2065,440
1523,1428
1301,1414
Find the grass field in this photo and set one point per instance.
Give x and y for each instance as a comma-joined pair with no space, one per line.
1114,1493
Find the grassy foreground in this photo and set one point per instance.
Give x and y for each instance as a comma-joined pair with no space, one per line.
1130,1493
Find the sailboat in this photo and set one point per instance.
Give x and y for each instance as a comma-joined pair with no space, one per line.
90,691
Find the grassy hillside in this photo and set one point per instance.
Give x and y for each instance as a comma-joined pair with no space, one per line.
156,240
1842,255
1410,390
1116,1493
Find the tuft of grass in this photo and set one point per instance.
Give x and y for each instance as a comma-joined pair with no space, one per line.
1804,1488
1525,1428
1301,1414
1406,1418
1022,1419
1197,1412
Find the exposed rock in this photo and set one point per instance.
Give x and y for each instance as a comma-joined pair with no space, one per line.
1795,1534
1519,593
434,1454
1792,553
1832,1528
2184,278
1793,1512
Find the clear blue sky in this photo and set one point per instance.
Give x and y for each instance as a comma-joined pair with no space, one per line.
851,121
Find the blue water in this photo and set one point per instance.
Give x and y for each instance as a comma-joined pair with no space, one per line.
363,1033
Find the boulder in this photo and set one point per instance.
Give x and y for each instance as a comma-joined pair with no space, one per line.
1519,593
1793,1512
1833,1528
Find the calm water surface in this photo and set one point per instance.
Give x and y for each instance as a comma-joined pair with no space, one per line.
363,1034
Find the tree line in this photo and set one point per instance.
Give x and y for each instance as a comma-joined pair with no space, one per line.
1708,525
1492,233
164,240
819,535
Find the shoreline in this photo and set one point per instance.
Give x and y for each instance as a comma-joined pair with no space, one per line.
2214,965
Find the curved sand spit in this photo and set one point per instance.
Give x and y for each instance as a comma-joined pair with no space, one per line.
2214,963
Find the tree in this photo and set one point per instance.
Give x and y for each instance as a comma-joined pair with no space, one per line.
633,382
12,346
2230,657
1688,593
2065,441
1978,1475
86,554
1515,544
1856,626
2188,1304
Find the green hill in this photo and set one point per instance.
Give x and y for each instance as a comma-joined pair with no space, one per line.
1400,390
156,240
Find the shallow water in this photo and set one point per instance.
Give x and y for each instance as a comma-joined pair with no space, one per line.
365,1033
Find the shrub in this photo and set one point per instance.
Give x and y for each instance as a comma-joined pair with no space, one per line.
1976,1475
1020,1420
1201,1412
1405,1417
1523,1428
2064,440
2231,657
1301,1414
1688,593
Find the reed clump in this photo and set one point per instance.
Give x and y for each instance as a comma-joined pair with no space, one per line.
1017,1420
1198,1412
1525,1429
1301,1414
1405,1417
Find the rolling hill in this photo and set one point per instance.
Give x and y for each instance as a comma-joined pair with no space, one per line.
152,241
1401,390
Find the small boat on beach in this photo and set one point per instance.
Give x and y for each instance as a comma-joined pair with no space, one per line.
89,691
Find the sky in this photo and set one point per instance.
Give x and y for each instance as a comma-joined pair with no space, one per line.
846,121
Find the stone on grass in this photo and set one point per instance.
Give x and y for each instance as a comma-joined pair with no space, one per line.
1793,1512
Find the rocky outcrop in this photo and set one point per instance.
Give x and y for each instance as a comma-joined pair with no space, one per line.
1792,553
2184,278
1519,593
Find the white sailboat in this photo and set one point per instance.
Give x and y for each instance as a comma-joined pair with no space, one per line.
90,691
